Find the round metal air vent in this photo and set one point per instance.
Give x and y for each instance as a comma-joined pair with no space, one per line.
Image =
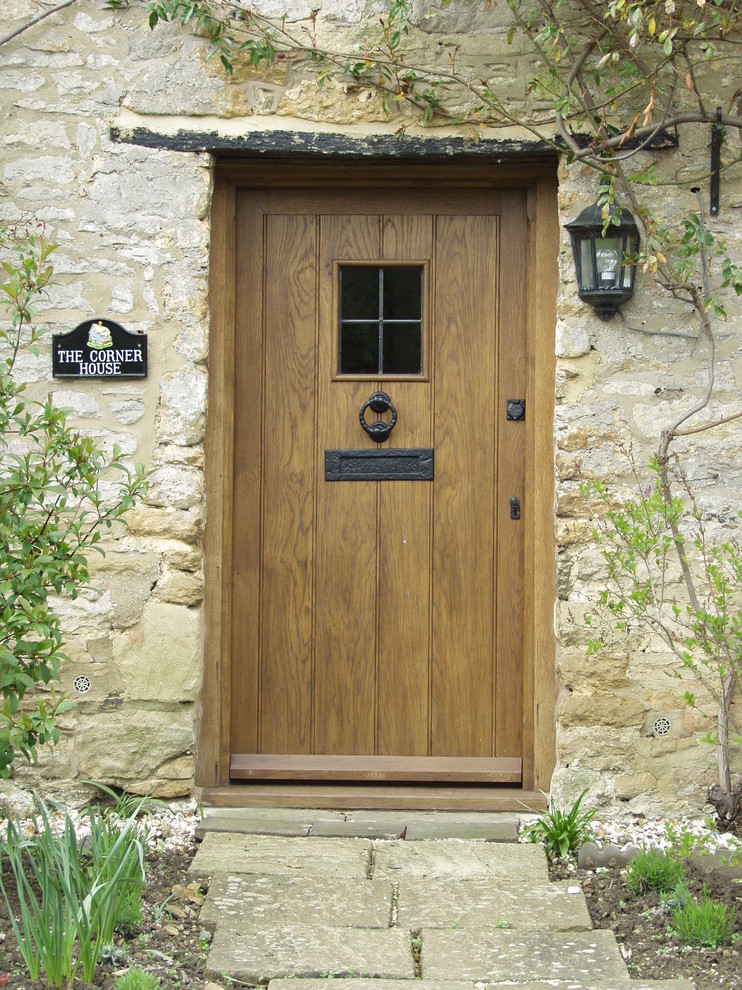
661,726
81,684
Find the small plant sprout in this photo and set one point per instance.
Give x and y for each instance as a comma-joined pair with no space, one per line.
651,869
704,922
562,831
137,979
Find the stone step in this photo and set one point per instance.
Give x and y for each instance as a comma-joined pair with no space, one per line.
412,826
299,951
267,855
242,900
460,859
296,951
480,903
488,956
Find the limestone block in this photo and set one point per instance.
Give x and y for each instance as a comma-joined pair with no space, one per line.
160,658
122,194
170,454
176,486
576,669
574,532
183,406
128,411
179,588
631,785
567,783
46,168
600,709
570,623
182,88
572,340
81,403
171,780
124,745
334,102
87,614
129,578
571,502
176,524
182,557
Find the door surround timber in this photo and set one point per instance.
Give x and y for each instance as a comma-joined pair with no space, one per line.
212,776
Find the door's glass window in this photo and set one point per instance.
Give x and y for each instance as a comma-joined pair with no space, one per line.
381,320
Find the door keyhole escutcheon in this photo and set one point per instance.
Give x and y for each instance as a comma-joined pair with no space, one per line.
514,507
379,431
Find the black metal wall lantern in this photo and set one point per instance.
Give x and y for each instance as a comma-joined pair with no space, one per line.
603,279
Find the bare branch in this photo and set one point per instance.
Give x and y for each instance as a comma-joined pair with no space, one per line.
35,20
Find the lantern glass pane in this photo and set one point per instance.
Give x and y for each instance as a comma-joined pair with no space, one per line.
586,274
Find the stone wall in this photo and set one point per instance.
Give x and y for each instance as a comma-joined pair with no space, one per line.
132,223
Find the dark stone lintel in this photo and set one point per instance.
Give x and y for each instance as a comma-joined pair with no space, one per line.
317,146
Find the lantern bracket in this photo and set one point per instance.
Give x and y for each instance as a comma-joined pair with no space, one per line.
714,187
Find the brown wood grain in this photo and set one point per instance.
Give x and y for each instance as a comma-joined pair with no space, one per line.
511,468
346,520
439,768
464,316
376,609
404,539
214,703
288,484
398,797
246,541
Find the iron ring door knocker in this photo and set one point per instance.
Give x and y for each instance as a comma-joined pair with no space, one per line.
378,431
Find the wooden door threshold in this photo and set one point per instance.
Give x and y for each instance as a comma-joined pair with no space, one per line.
372,797
418,769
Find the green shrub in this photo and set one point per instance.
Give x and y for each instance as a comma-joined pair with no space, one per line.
706,923
52,513
652,869
136,979
562,831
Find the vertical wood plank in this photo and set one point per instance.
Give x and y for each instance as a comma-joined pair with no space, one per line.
246,544
464,326
346,518
288,485
404,542
214,704
511,465
542,306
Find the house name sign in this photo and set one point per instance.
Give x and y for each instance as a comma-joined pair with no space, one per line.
99,349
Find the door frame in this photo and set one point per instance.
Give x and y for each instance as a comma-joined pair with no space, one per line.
212,755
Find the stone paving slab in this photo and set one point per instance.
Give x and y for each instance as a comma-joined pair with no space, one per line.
265,821
360,830
243,901
362,984
489,828
484,955
412,825
481,903
266,855
301,951
460,859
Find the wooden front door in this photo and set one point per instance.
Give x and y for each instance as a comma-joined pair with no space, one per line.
377,625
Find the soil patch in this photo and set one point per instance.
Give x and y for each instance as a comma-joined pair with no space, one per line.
169,942
643,927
